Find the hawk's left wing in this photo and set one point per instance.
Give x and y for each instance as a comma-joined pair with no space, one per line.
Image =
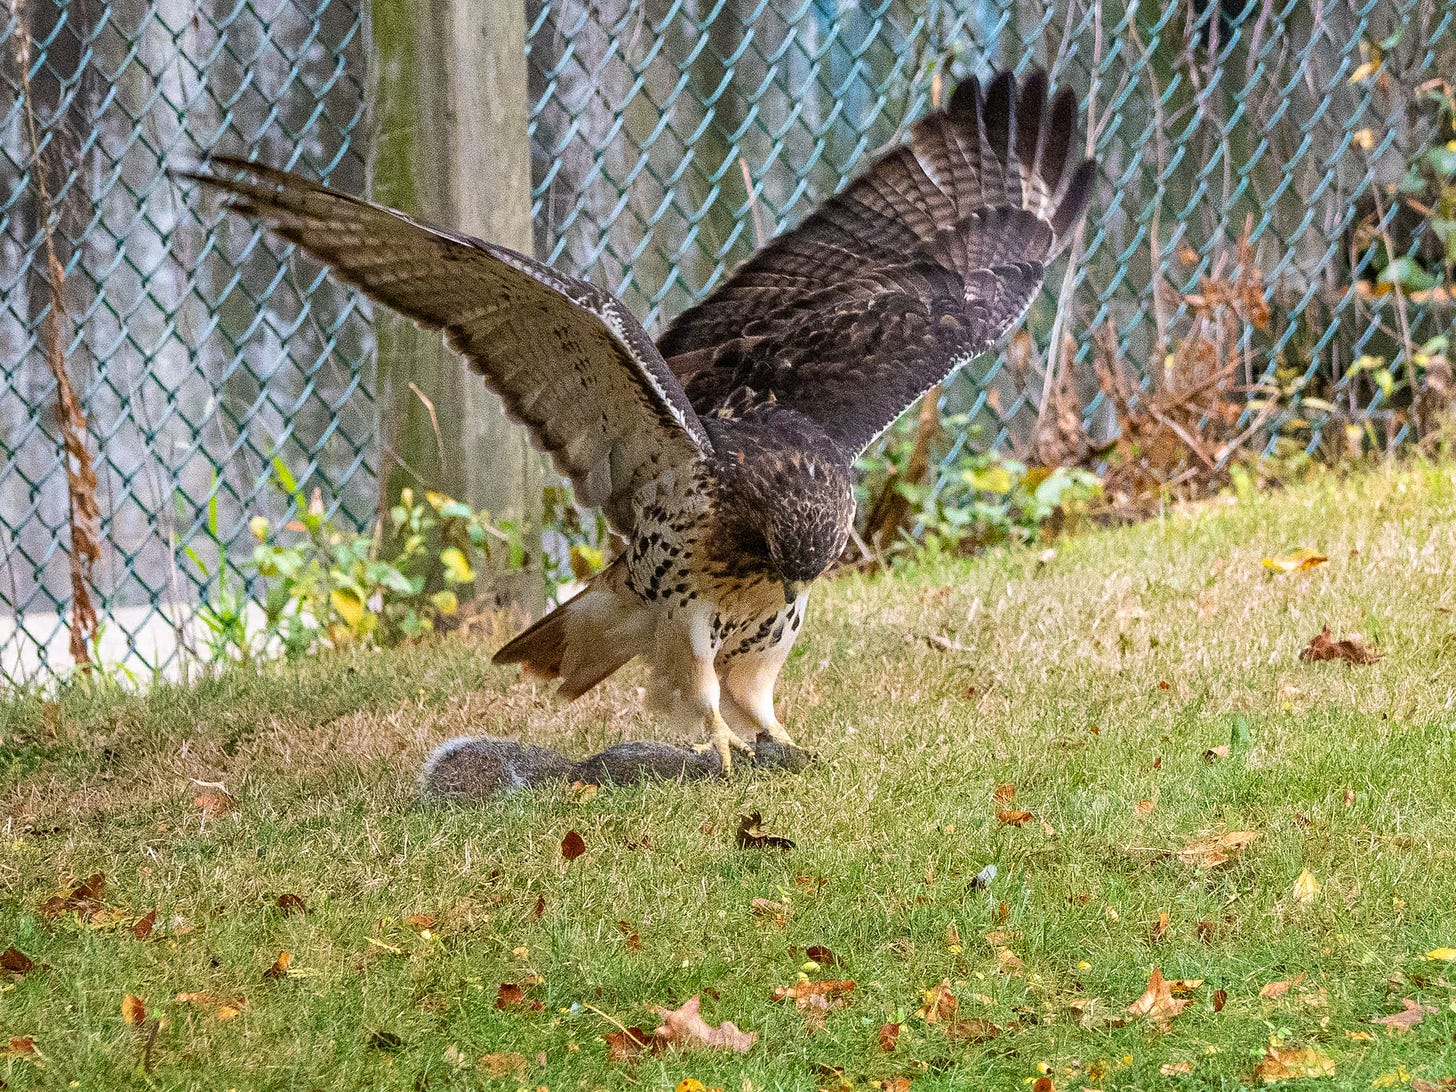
568,360
923,262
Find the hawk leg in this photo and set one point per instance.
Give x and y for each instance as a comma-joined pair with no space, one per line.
748,698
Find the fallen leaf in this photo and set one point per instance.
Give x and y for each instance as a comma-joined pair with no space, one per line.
685,1029
385,1040
21,1045
1352,650
421,922
892,1084
889,1036
1144,807
1220,850
767,908
1220,999
1306,887
1440,1084
1174,1069
1013,818
143,928
291,904
627,1044
213,804
280,966
504,1064
1043,1084
1160,927
16,962
85,899
538,911
815,999
634,942
1360,1036
1005,793
1294,1063
940,1004
1412,1015
822,955
1278,989
572,846
1157,1002
1446,954
1298,561
1007,963
222,1008
1391,1078
133,1010
751,835
971,1030
1213,754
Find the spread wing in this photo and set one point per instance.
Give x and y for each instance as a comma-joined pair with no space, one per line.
923,262
568,360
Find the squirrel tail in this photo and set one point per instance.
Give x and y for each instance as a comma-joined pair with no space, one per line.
585,639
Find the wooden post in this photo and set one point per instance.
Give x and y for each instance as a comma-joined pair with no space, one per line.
450,145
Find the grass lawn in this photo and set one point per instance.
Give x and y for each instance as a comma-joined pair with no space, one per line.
1093,680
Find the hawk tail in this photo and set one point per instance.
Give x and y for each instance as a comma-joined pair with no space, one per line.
585,639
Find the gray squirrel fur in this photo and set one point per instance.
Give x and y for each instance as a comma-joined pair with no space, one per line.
475,768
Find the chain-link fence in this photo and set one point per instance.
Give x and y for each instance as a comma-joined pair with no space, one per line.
1266,266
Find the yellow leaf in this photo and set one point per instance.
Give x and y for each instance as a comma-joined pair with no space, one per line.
437,500
446,602
1306,887
258,525
1293,1063
1397,1076
990,479
457,569
1299,561
350,607
691,1084
1364,71
1446,954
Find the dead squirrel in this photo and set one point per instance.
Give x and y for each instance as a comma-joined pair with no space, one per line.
475,768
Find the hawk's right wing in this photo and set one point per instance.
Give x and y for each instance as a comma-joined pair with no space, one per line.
568,360
926,259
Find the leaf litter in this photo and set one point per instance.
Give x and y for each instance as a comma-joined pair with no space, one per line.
1351,650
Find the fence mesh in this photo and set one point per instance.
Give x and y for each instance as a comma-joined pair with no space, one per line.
1266,265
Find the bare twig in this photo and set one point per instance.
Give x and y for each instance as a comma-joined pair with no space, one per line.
84,515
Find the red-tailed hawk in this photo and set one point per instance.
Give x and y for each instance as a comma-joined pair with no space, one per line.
723,454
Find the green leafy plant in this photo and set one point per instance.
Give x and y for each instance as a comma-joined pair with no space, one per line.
322,585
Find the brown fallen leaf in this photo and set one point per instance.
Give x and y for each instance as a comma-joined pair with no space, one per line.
627,1044
512,995
1013,818
940,1004
822,955
1274,990
767,908
1145,807
291,904
1352,650
1440,1084
1005,793
1213,754
214,804
751,835
573,845
133,1010
892,1084
1412,1015
143,928
1220,999
685,1029
634,942
421,923
538,911
280,966
1175,1069
1043,1084
1160,927
16,962
815,999
85,899
971,1030
1157,1002
889,1037
1293,1063
21,1045
504,1064
1216,851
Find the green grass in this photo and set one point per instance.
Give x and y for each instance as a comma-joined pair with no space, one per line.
1092,679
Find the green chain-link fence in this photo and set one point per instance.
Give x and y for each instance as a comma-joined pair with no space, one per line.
1266,266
